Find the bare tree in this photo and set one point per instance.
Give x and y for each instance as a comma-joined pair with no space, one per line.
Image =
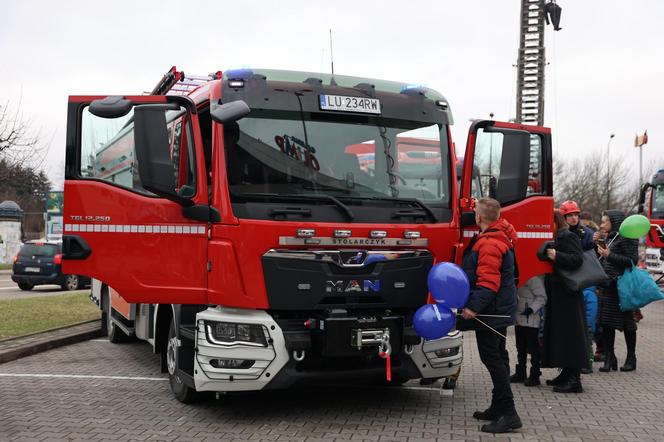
19,144
595,184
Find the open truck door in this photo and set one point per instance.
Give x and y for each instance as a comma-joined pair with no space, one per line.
514,165
136,208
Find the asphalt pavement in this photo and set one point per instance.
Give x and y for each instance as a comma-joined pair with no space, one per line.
9,289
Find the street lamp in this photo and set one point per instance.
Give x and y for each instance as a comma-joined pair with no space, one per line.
608,171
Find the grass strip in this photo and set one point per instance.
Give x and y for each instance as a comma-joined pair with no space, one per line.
29,315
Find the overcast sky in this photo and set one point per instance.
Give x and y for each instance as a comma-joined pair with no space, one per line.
605,72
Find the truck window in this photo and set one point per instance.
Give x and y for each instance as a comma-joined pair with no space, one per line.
399,160
108,154
494,163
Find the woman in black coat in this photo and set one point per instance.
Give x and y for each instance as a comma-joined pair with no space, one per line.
619,254
564,321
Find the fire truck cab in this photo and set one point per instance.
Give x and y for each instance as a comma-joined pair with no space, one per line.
264,229
652,196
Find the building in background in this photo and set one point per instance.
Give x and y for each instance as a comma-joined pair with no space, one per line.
53,217
11,217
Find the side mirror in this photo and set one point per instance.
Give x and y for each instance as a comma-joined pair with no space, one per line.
229,112
110,107
155,166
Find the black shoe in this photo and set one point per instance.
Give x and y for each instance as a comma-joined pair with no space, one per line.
610,363
487,415
587,370
630,364
571,385
558,380
504,424
449,384
534,378
519,374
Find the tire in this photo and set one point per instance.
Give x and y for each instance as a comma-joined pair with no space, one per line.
72,282
115,334
181,391
25,286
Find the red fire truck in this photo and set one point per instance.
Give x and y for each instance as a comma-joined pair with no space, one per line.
263,229
653,192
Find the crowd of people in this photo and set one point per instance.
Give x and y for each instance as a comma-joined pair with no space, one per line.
555,325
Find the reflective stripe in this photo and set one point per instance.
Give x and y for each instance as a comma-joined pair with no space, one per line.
526,235
189,229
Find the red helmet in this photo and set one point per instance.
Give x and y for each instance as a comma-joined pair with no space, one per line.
569,207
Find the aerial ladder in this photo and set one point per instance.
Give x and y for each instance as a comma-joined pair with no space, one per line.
535,14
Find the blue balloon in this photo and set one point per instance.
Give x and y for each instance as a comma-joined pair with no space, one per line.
449,285
433,321
375,258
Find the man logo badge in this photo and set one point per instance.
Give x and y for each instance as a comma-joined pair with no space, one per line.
352,286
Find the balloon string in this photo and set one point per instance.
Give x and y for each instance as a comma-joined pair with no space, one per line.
489,316
491,328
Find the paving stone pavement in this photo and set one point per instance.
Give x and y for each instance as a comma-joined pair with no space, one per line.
14,348
138,405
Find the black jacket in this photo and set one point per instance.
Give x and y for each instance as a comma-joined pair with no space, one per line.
624,253
564,320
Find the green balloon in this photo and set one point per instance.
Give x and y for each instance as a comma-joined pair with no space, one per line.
634,227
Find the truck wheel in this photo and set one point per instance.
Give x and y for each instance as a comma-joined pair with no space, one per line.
25,286
72,282
181,391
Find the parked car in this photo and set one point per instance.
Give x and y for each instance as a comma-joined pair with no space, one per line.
39,263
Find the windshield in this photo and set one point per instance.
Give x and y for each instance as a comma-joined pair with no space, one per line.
38,250
348,158
658,202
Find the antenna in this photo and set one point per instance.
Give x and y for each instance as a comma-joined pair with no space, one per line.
331,56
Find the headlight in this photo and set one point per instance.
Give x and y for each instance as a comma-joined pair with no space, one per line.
229,333
447,352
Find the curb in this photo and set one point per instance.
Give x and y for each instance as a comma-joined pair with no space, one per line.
48,344
48,330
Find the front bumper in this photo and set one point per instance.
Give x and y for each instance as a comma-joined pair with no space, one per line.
654,262
274,367
54,278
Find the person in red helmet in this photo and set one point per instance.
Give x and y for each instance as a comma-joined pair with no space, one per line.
571,211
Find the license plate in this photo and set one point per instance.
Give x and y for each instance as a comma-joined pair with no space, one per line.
32,269
342,103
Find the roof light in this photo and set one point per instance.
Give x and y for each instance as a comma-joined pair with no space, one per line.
410,234
305,233
340,233
377,234
236,83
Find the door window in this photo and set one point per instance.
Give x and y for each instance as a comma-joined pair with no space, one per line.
108,151
508,164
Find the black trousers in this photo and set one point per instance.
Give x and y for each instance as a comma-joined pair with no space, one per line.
527,343
495,358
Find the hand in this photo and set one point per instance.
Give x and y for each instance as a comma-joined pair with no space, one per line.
597,235
528,311
551,254
467,313
603,251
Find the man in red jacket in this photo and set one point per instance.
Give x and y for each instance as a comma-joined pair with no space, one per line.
490,265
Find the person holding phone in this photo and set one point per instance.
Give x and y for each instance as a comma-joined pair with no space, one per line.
617,254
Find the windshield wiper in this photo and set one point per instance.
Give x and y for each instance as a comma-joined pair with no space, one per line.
277,196
399,214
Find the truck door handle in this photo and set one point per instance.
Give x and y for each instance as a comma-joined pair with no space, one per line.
75,247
